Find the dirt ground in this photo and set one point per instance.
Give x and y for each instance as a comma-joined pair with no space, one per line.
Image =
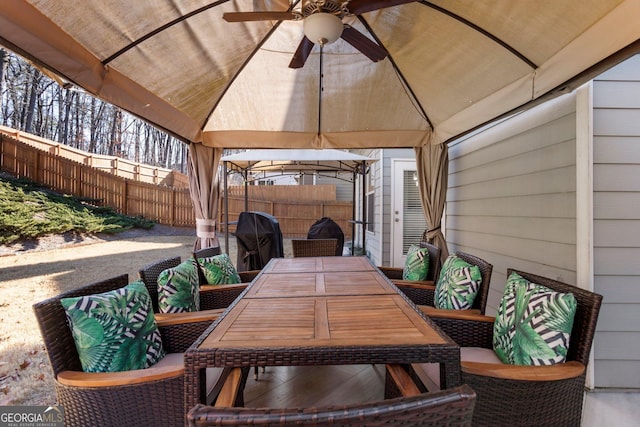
36,270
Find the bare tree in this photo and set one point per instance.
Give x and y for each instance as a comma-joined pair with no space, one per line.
30,101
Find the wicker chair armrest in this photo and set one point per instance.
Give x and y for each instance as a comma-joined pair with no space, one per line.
393,273
402,380
557,372
423,285
468,332
178,337
230,389
218,288
219,296
248,276
471,314
111,379
169,319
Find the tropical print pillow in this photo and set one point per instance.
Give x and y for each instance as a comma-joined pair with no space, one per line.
457,285
115,331
533,324
179,288
219,270
416,266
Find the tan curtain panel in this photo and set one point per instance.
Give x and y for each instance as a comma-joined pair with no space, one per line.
205,191
432,162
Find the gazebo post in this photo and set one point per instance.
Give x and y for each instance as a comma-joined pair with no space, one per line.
364,206
226,210
353,212
246,190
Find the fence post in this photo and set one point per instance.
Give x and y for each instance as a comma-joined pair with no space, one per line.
172,220
126,198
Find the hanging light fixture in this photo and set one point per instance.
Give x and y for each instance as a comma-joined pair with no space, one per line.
322,28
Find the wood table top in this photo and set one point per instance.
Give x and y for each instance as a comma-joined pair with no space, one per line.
322,321
293,285
318,264
321,302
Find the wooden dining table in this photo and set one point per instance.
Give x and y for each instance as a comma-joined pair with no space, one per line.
320,311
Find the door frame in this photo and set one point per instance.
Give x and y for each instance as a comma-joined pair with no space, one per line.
398,166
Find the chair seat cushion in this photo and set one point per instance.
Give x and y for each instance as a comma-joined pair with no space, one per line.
178,288
170,366
416,266
457,285
176,360
116,330
429,373
219,270
533,324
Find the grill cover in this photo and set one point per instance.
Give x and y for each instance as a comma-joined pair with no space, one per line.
259,239
326,228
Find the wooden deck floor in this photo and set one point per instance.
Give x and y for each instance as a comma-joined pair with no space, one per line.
306,386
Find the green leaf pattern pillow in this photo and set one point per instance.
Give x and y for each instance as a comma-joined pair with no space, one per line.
179,288
115,331
219,270
457,285
533,325
416,265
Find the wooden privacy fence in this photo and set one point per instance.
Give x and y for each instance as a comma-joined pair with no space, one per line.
121,167
295,207
163,204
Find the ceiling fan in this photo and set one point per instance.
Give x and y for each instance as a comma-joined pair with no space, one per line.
322,20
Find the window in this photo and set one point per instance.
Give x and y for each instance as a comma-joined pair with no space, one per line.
371,212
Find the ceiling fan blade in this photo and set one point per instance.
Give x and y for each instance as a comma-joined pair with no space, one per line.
257,16
362,6
368,47
302,53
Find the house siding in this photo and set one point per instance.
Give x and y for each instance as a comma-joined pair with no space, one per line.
379,242
616,224
511,195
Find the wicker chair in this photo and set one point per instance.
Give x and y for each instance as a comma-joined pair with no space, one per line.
153,396
208,252
422,293
245,276
527,395
452,407
212,297
395,273
313,247
149,275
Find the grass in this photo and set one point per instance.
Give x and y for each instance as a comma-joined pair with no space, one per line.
29,211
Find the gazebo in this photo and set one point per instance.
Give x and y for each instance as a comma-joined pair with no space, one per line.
329,162
402,74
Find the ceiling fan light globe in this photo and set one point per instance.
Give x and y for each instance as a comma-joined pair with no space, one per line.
322,28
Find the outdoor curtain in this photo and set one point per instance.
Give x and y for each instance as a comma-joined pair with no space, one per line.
205,192
432,162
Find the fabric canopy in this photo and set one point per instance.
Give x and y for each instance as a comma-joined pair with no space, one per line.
451,65
275,160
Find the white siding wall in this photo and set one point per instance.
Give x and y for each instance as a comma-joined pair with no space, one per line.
616,115
512,195
379,242
343,183
387,192
373,239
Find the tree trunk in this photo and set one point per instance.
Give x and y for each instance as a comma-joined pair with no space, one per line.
3,66
33,95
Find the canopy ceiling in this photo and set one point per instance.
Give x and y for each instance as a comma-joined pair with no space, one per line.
452,65
289,161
